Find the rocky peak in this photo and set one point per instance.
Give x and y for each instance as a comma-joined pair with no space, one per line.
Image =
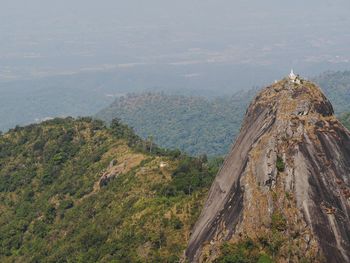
291,161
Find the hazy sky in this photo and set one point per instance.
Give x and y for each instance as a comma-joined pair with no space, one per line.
188,39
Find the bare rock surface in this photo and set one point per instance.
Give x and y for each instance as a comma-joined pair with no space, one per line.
292,159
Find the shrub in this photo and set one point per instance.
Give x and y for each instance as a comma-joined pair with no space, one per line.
243,252
66,204
280,164
265,259
176,223
50,214
278,221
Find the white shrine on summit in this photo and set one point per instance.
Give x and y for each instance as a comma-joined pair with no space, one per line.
294,78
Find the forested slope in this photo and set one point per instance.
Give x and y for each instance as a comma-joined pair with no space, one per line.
345,119
336,86
196,125
76,191
200,125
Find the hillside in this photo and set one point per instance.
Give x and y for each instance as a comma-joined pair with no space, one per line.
76,191
85,93
345,119
283,192
195,125
199,125
336,86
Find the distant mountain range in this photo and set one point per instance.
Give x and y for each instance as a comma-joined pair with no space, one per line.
345,119
336,86
200,125
196,125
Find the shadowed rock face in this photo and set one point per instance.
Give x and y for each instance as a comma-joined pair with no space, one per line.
293,125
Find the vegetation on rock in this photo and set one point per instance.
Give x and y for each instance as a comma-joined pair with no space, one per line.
280,169
280,164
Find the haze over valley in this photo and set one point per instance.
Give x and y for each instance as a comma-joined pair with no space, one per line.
218,46
199,131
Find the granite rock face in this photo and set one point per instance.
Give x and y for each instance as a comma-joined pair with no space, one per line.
291,159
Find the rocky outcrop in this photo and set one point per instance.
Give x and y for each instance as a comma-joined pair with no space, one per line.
125,165
291,160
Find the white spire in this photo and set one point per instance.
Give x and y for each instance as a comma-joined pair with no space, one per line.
292,76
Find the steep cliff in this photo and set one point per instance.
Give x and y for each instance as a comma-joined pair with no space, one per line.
285,186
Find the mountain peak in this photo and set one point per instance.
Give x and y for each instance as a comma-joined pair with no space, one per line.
285,181
292,98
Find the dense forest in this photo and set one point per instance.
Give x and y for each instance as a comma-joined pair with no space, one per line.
345,119
336,86
200,125
77,191
195,125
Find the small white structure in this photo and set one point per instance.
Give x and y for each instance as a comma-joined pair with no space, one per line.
163,164
294,78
